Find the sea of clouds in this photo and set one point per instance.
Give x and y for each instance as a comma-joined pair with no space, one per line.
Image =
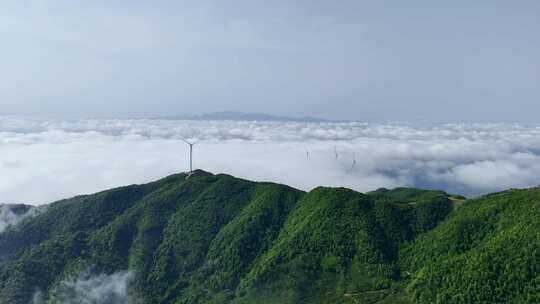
42,160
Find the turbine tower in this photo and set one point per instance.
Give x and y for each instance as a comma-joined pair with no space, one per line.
191,144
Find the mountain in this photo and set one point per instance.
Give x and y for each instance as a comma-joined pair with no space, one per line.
218,239
488,251
240,116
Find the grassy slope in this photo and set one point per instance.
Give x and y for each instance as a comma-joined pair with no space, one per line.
219,239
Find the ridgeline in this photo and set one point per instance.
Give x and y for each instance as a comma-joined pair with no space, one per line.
219,239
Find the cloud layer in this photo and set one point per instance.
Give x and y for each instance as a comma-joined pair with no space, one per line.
44,160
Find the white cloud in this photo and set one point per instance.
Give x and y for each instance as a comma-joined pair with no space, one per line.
11,215
88,288
45,160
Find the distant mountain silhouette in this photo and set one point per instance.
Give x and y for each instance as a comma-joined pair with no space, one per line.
241,116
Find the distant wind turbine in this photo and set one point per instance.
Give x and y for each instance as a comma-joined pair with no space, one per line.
353,160
307,154
191,144
336,153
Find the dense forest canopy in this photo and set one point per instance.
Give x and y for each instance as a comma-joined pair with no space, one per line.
219,239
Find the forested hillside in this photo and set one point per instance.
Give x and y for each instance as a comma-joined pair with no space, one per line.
219,239
488,251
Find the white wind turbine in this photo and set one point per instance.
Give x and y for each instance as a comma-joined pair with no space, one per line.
191,144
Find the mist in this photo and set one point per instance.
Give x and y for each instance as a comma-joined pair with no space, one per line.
90,288
11,215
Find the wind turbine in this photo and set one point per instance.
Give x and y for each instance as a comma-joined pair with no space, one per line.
353,160
336,152
191,144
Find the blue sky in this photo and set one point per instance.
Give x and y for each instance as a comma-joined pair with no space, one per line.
364,60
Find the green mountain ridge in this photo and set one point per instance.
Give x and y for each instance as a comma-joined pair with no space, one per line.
219,239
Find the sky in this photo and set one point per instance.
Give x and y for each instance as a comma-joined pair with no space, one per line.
452,61
438,95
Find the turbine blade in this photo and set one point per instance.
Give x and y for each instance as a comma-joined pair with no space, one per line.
187,142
